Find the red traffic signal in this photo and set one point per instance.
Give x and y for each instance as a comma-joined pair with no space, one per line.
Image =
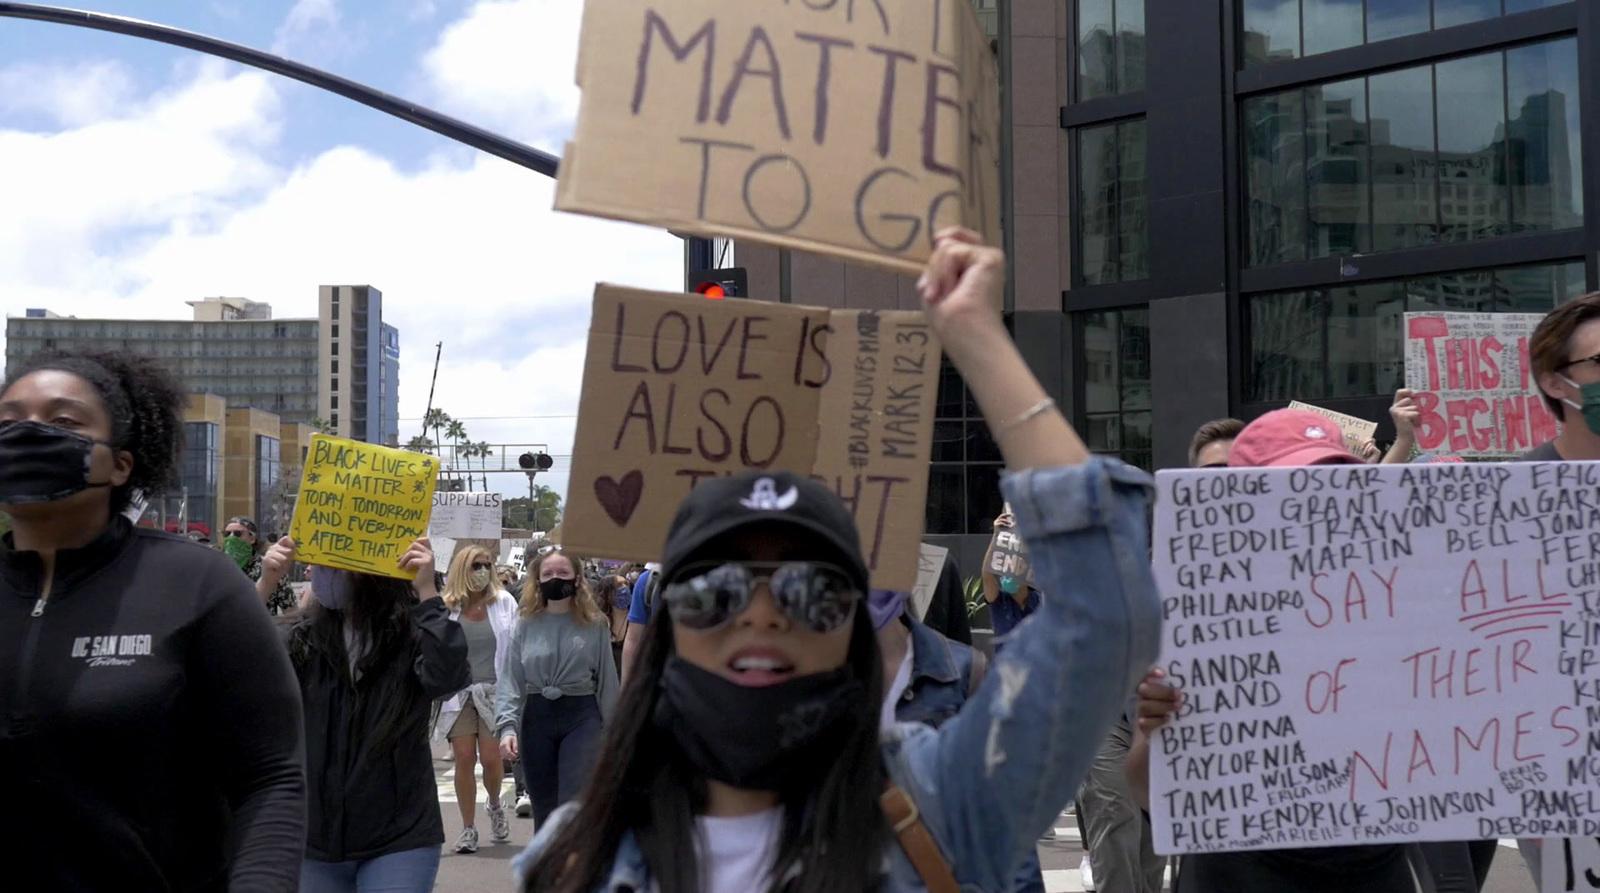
729,282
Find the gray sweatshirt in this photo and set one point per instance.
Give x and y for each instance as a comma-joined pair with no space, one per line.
554,656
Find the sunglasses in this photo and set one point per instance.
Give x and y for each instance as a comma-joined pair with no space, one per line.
818,597
235,532
480,566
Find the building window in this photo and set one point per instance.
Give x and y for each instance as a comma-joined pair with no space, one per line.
1113,234
1471,148
1114,383
1110,47
335,330
1346,341
1277,30
333,349
333,420
335,369
964,479
333,384
333,402
267,470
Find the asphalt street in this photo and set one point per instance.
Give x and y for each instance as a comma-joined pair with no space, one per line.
489,869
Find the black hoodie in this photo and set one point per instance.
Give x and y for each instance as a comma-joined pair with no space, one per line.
148,715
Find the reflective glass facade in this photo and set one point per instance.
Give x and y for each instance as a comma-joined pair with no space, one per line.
1113,240
1281,30
1110,47
268,469
1472,148
1113,347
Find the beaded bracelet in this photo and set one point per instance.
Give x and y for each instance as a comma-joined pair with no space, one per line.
1026,415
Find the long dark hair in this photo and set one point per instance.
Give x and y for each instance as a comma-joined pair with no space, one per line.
834,831
380,613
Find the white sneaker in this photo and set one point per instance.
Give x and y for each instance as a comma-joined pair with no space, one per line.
1086,874
524,806
468,841
499,828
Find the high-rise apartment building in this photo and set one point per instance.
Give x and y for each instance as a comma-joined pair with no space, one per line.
342,367
1213,207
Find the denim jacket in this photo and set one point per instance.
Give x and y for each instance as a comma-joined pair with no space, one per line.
941,671
993,777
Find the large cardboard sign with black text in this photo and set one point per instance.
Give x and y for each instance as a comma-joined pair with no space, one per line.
1474,384
679,389
1378,654
856,129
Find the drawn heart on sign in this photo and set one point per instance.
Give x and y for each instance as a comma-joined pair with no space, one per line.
620,499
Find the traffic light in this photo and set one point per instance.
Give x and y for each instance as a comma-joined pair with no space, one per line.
729,282
535,462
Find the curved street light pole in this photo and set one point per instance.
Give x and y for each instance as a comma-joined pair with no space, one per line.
460,131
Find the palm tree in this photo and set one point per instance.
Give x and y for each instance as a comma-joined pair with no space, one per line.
546,508
435,419
321,426
420,444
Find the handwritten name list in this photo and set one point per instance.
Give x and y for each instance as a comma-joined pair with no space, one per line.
1378,654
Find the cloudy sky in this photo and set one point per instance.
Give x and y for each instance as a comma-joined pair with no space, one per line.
137,176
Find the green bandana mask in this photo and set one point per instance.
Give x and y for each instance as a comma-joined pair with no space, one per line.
1591,403
239,550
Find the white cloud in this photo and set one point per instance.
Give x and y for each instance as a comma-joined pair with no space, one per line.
511,65
70,96
172,197
312,28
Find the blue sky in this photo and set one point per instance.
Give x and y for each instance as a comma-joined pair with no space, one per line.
137,176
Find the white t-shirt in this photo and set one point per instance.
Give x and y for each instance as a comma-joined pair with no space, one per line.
739,851
897,689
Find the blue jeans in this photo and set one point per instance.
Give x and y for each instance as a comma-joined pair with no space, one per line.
408,871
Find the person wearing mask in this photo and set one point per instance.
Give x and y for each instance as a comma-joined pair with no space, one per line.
558,683
466,721
239,540
1006,609
149,710
753,716
372,654
929,678
1564,352
1279,439
641,605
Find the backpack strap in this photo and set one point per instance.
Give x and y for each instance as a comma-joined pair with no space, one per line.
914,838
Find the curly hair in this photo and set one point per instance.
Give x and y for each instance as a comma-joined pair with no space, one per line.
145,403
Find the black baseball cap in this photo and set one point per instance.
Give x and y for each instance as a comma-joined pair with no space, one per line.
722,506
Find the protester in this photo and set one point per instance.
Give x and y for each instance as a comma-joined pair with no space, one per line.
1565,354
486,615
373,653
272,582
762,576
929,678
1213,442
1283,438
641,606
946,613
558,683
1006,609
615,600
151,717
1405,414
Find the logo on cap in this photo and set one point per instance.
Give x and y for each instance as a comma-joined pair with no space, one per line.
1316,433
764,497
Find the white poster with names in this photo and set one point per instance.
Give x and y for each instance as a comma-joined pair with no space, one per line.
1378,654
465,516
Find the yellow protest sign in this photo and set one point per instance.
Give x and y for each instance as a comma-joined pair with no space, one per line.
360,505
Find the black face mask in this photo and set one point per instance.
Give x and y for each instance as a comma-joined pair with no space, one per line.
556,589
43,463
756,739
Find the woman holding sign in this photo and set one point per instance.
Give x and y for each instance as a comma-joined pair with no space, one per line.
746,752
486,615
558,683
373,653
148,709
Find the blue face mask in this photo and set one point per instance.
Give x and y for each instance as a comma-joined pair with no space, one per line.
885,605
331,587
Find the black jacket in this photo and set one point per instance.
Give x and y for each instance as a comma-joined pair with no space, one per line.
149,723
367,802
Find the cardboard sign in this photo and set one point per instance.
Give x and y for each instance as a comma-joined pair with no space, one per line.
677,390
853,129
930,564
361,505
465,516
1378,654
1356,431
1474,385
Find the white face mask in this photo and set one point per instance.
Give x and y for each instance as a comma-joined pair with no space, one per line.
479,580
